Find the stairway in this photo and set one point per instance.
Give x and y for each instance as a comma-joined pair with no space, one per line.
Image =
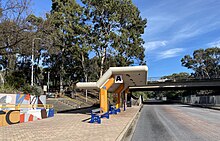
78,101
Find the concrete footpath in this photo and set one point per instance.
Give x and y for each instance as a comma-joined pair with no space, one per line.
72,127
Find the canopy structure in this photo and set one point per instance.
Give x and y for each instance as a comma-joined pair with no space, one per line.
117,80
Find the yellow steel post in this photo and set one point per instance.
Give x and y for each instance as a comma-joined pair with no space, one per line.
103,100
127,90
109,83
118,92
104,94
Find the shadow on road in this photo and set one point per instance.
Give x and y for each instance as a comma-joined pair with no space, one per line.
160,102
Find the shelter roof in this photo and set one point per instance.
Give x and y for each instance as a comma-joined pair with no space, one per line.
131,76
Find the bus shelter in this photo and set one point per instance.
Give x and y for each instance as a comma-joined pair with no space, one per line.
117,80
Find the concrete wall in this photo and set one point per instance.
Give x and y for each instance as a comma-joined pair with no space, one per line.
22,99
202,100
18,108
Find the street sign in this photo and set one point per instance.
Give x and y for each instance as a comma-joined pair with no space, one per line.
118,79
45,88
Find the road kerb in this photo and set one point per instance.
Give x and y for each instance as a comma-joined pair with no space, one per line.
123,134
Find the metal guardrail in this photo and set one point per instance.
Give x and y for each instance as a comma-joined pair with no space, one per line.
17,107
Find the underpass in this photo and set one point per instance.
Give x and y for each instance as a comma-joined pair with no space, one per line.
177,123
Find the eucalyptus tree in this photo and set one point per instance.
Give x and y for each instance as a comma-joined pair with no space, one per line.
116,29
13,35
205,63
14,39
67,18
177,76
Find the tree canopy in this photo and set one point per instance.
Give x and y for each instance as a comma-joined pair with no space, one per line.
177,76
73,42
205,62
115,31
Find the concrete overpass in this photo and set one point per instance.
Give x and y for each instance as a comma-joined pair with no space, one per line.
121,80
193,84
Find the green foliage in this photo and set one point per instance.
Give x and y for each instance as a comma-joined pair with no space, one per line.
172,94
33,90
16,79
37,91
177,76
26,89
111,29
116,28
205,63
70,40
6,88
145,95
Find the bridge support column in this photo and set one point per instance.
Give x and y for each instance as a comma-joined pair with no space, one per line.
104,94
125,97
129,104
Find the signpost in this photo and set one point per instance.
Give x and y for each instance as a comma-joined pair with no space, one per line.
118,79
45,89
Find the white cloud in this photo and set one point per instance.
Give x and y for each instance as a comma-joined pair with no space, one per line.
214,44
195,29
170,53
182,20
150,46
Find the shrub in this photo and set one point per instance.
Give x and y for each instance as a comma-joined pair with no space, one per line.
33,90
37,90
15,80
6,88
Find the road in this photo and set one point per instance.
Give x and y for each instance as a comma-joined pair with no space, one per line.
177,123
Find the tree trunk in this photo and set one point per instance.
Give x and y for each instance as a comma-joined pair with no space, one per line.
83,66
61,72
103,56
61,83
1,79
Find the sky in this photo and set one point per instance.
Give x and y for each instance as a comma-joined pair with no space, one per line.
175,28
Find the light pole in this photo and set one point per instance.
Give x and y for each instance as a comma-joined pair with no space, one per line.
32,60
48,81
86,89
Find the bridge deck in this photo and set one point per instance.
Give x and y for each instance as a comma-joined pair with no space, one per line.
206,84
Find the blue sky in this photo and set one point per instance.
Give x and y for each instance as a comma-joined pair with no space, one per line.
175,28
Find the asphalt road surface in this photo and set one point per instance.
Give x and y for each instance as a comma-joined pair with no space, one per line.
177,123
